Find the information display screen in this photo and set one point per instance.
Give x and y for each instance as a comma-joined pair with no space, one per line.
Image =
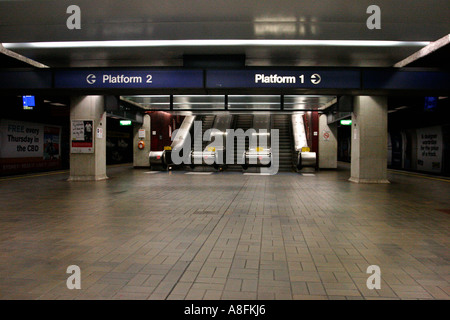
28,102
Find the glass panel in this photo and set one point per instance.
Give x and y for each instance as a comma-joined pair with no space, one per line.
159,102
198,102
265,102
303,102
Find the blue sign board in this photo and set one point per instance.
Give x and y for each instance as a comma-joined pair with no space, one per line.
406,80
316,79
258,78
39,79
128,79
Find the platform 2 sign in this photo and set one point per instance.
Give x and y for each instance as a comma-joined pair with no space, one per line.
128,79
320,79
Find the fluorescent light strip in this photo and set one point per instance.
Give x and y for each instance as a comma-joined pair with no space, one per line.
212,42
201,173
148,96
253,103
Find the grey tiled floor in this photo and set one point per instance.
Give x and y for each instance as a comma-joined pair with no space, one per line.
224,236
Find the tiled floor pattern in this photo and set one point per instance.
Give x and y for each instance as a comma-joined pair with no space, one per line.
224,236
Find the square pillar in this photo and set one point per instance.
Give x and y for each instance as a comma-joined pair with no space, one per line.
369,140
140,156
327,144
88,165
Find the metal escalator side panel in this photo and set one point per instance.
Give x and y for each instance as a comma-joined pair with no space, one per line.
182,132
304,158
217,134
156,158
308,159
208,149
197,143
181,143
298,129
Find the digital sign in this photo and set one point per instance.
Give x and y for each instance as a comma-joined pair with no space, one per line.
28,102
430,103
125,122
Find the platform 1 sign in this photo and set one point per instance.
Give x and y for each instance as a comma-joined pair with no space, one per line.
308,78
128,79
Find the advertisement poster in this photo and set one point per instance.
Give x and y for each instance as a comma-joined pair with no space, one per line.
52,145
21,139
26,145
119,147
429,149
397,149
82,140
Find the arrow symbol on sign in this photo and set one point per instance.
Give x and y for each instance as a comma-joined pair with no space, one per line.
91,79
315,78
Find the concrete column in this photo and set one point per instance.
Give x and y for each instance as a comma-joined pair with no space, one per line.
89,166
327,144
140,156
369,140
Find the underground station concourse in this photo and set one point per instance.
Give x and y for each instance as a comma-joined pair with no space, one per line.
222,150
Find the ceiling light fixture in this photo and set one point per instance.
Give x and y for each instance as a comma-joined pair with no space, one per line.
211,42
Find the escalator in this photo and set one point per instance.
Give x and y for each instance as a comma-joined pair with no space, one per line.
259,152
207,123
244,122
161,160
283,124
210,151
303,157
213,150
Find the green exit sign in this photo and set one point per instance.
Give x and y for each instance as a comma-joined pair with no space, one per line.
346,122
125,122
